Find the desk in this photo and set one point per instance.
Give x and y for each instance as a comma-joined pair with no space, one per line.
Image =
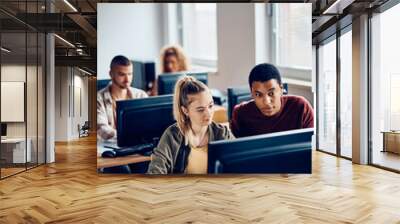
391,141
117,161
13,150
120,161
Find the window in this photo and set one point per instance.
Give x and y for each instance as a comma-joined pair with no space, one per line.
199,32
327,97
292,35
385,87
346,94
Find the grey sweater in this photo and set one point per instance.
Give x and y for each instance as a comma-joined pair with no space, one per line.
171,154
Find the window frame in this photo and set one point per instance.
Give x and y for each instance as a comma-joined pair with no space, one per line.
334,37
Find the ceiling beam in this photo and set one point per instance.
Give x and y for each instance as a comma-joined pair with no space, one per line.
84,24
83,61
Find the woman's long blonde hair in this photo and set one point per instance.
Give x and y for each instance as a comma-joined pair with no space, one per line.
177,51
185,86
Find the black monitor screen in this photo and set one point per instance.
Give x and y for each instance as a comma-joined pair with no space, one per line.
281,152
166,82
3,129
141,120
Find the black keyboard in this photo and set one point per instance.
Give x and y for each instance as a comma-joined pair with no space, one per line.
137,149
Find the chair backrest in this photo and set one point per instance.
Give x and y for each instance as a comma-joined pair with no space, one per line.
237,95
102,83
86,125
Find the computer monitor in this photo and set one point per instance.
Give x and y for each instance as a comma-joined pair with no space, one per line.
143,74
150,71
281,152
166,82
3,129
237,95
141,120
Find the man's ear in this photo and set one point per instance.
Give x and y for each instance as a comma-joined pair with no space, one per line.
281,86
110,73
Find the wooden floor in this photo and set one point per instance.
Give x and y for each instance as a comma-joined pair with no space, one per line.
70,191
386,159
10,171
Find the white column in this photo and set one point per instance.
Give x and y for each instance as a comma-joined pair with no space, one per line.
50,99
360,90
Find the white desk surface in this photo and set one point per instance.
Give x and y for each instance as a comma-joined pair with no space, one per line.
13,140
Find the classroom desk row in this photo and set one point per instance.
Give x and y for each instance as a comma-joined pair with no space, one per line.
220,116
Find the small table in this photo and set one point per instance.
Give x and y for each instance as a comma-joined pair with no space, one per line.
13,150
391,141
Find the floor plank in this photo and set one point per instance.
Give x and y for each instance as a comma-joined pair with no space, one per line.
71,191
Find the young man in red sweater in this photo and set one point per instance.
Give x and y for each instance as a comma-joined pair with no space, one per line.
270,111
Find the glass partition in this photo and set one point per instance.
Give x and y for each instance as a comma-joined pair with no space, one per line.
385,89
13,92
22,78
346,94
327,97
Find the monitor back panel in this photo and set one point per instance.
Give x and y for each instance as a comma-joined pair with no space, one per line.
236,96
166,82
270,153
139,75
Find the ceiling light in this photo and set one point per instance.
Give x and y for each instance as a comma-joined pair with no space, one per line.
84,71
70,5
337,7
5,50
65,41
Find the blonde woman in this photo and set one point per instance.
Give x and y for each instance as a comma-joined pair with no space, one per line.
173,59
183,146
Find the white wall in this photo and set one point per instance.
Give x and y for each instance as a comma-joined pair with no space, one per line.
80,103
236,44
69,85
133,30
34,123
262,24
61,103
14,72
